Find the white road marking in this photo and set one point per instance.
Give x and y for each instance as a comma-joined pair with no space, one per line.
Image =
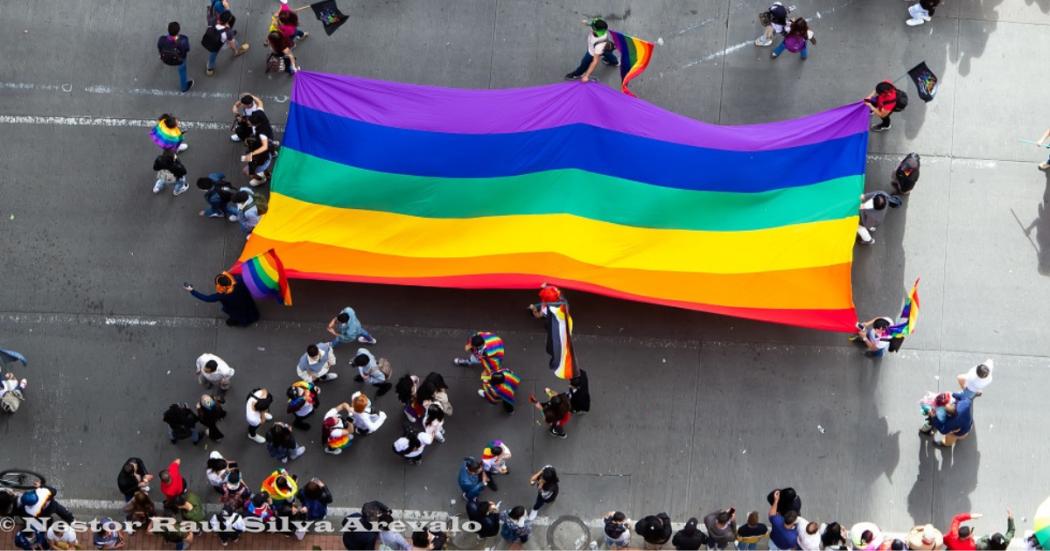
112,90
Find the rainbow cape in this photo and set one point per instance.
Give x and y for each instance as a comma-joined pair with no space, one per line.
579,186
164,137
635,54
559,340
265,277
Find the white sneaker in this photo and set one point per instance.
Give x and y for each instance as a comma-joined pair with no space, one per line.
762,41
256,182
914,22
235,138
257,439
532,514
183,147
927,18
232,218
481,393
158,186
269,417
330,376
333,452
180,187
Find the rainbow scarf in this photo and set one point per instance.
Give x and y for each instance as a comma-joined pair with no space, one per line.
270,485
487,453
165,137
635,54
503,391
579,186
265,277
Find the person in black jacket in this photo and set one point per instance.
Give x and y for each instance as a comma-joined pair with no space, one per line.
182,423
170,170
209,413
485,513
689,537
133,477
789,501
358,532
236,300
654,529
580,393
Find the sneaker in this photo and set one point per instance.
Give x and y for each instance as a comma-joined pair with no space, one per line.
440,437
480,393
366,340
180,188
305,35
158,186
269,417
762,41
189,85
461,362
242,50
330,377
927,18
774,55
254,182
209,72
1042,166
284,460
215,215
914,22
881,128
572,76
333,452
257,439
926,429
232,218
183,147
235,138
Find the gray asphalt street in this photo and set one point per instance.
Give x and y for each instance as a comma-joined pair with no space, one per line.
691,411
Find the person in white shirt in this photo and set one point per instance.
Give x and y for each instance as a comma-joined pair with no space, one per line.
60,537
599,46
974,381
365,421
213,371
255,412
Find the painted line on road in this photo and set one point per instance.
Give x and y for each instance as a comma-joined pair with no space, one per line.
102,89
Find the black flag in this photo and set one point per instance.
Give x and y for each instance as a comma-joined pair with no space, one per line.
924,80
329,15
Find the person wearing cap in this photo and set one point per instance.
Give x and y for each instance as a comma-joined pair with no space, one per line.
472,478
925,537
956,424
999,541
40,502
974,381
959,536
236,300
599,45
689,537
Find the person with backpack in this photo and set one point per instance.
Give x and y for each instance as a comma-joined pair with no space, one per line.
286,21
242,109
883,101
599,45
169,170
773,21
921,12
374,372
247,210
796,39
174,48
872,212
280,54
219,34
218,193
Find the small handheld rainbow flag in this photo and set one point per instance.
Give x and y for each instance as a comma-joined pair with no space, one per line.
635,54
166,137
264,276
909,318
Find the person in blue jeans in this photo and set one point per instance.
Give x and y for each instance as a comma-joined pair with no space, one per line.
515,525
174,49
599,45
796,39
218,193
472,478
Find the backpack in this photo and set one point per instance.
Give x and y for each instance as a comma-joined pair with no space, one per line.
212,39
11,401
170,53
262,203
274,63
384,367
902,101
907,173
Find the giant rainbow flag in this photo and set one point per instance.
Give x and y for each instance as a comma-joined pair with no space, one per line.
573,184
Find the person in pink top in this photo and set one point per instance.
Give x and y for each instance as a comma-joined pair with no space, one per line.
286,20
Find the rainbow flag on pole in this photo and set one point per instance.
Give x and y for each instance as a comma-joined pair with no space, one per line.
908,319
578,186
635,54
559,340
265,277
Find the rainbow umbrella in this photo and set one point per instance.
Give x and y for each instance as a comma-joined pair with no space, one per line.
1041,524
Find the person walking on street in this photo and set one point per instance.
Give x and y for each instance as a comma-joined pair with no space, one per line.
921,12
258,159
218,35
956,425
174,48
796,40
209,413
486,515
168,135
286,20
140,508
974,381
182,423
516,527
549,296
281,444
302,402
599,46
235,493
236,300
345,327
486,349
494,461
871,335
172,484
374,372
281,52
472,478
218,194
169,170
365,421
546,482
721,528
883,101
873,208
617,530
337,432
959,536
556,411
247,210
774,21
316,363
213,371
256,412
133,477
998,540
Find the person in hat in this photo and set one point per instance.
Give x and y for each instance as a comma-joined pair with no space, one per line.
236,300
599,45
998,540
209,413
689,537
40,502
974,381
494,461
956,425
472,478
925,537
302,402
959,536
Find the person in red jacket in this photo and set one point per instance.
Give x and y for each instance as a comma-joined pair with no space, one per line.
172,484
961,537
